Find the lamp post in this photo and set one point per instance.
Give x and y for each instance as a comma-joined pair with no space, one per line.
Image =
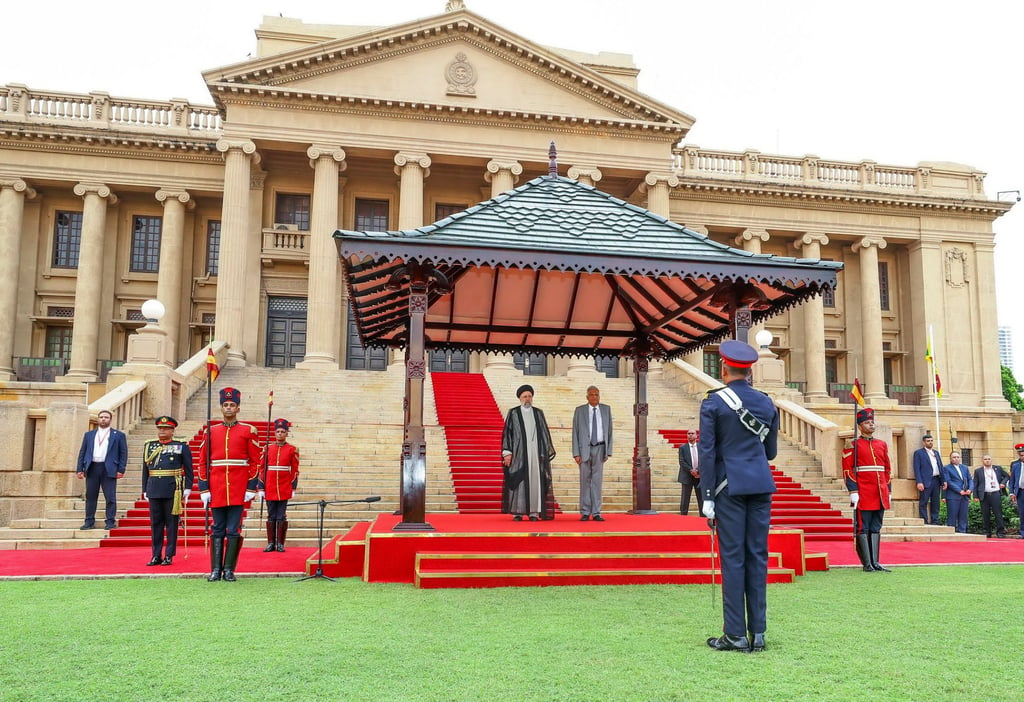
153,311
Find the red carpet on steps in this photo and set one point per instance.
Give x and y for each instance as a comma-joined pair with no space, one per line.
793,506
472,425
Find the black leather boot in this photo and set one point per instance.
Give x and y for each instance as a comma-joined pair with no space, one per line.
756,642
271,536
730,643
282,531
864,553
231,558
216,560
876,539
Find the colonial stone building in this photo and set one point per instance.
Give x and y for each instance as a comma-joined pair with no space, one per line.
225,212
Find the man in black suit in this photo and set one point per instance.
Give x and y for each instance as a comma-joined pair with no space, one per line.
689,473
101,463
989,485
930,483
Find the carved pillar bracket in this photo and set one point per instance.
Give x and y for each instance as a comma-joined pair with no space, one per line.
588,175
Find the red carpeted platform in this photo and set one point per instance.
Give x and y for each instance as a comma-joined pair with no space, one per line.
911,553
793,506
493,550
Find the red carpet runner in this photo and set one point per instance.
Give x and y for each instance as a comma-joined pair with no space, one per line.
793,506
133,528
472,425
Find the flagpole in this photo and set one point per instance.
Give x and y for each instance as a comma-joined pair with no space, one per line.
935,389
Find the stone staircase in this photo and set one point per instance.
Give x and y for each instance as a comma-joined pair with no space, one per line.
348,427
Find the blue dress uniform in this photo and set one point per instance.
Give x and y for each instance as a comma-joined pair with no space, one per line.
736,476
1016,485
166,476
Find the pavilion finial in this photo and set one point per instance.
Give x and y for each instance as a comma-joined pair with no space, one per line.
552,159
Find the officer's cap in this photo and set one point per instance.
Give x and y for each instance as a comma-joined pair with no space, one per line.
166,421
230,395
737,354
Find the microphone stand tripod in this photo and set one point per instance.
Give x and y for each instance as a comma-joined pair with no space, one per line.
322,505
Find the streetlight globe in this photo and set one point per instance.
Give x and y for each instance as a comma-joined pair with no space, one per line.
764,338
153,310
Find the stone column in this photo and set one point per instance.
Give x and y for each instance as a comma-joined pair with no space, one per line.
502,175
587,175
89,283
324,295
991,369
172,248
234,233
412,169
816,389
13,192
871,318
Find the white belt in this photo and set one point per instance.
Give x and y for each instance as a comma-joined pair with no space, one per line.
279,467
230,462
871,469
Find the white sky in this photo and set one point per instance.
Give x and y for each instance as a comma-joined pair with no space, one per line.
896,81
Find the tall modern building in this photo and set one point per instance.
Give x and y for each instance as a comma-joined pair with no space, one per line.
1006,347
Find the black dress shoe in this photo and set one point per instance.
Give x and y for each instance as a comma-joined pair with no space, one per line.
756,643
534,518
517,518
154,561
597,518
166,561
86,527
730,643
585,518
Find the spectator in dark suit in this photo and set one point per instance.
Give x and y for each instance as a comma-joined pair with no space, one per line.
1017,485
928,473
101,463
989,485
689,473
959,486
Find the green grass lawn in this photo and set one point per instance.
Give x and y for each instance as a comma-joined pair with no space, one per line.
936,633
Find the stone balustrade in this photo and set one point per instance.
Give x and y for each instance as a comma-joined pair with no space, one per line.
950,180
101,111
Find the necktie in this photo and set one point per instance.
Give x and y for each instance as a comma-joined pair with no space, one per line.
594,438
693,456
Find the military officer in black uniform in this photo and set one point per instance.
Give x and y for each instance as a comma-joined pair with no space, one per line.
166,485
739,429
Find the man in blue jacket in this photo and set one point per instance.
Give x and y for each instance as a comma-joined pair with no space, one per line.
930,483
739,428
1016,485
101,462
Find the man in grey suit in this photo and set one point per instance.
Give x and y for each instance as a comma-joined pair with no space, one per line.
101,462
591,447
689,472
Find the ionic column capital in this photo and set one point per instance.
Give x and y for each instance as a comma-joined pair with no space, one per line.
495,166
869,241
318,151
808,238
98,189
403,158
652,179
588,175
246,146
698,228
17,185
182,196
751,235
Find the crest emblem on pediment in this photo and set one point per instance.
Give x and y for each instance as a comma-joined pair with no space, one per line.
461,76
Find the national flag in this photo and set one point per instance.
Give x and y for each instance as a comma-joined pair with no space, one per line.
938,386
928,352
856,394
212,368
270,398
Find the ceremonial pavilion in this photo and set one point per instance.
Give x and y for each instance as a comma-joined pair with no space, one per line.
226,213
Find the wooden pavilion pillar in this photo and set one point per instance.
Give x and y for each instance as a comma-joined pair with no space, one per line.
641,454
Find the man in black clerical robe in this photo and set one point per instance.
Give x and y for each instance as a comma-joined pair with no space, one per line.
526,454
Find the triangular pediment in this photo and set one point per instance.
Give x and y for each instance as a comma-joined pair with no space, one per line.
456,60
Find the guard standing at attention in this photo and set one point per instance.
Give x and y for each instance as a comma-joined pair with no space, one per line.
228,482
739,432
278,479
868,473
166,485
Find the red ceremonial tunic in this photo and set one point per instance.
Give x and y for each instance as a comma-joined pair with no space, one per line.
234,464
281,471
873,473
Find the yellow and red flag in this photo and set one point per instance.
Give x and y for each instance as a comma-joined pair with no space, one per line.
856,394
270,399
212,368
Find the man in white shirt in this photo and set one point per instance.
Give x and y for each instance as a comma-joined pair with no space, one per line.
989,484
101,463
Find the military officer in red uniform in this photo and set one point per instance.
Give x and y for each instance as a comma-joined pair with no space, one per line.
166,485
279,476
868,473
228,478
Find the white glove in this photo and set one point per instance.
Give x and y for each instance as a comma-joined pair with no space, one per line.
854,499
205,497
186,493
249,496
708,509
262,494
144,497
